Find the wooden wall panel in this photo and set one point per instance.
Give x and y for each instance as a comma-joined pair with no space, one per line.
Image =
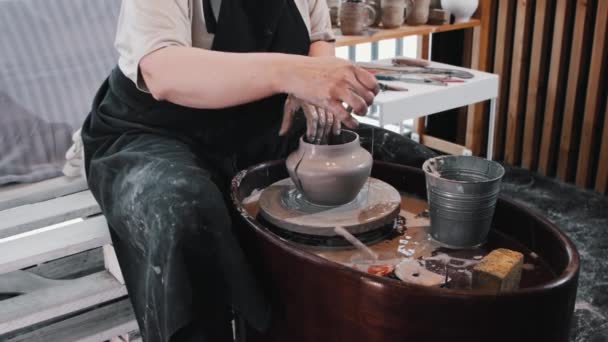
424,43
555,87
502,65
601,181
575,85
519,74
552,115
593,103
483,60
536,83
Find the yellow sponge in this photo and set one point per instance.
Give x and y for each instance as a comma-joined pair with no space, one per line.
498,271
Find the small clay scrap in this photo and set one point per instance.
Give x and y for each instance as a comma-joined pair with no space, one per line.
498,271
410,271
380,270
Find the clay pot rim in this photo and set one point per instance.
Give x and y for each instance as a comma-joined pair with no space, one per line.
569,274
490,180
335,147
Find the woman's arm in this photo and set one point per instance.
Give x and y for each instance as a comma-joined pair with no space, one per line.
322,49
209,79
320,123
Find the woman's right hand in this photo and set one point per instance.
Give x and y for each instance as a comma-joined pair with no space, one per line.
328,82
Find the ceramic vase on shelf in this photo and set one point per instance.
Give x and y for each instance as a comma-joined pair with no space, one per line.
330,174
435,4
355,17
417,11
461,9
378,7
334,11
393,13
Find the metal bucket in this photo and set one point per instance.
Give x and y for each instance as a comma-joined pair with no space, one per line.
462,193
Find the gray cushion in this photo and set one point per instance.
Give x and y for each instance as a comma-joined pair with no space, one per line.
29,146
55,54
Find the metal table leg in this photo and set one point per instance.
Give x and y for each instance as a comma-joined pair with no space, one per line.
399,47
491,125
352,52
374,52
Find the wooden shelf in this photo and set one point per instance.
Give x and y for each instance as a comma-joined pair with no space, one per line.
403,31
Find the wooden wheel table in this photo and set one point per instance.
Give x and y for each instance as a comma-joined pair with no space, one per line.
316,298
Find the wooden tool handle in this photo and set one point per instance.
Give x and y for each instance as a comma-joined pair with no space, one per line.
406,61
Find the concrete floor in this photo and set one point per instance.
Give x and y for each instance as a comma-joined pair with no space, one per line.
583,215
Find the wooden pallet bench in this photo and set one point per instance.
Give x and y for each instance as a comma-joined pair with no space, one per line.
59,276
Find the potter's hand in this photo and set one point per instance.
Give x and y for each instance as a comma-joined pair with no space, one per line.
328,82
320,123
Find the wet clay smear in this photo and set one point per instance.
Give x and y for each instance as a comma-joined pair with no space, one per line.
411,242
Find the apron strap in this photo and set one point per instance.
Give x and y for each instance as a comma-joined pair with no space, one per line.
210,18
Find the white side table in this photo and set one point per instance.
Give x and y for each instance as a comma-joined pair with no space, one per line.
422,100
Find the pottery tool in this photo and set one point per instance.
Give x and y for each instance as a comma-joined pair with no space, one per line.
401,60
383,87
356,242
389,87
405,79
403,69
447,79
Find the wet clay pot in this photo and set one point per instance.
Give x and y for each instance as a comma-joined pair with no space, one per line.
330,174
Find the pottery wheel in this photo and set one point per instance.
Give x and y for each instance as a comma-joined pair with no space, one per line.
376,205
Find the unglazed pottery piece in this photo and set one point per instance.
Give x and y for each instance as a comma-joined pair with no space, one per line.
435,4
417,12
330,174
461,9
393,13
334,12
411,271
376,205
378,7
355,17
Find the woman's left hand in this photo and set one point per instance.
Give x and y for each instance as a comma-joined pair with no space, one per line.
319,122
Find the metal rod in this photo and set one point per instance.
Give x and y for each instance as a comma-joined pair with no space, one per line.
374,54
399,47
352,52
430,51
490,152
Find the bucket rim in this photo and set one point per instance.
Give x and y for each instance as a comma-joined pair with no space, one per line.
429,173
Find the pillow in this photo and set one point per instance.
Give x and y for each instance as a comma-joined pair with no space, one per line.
31,149
54,56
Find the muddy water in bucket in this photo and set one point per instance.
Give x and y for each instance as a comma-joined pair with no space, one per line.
462,193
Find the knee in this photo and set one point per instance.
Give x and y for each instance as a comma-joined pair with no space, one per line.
190,205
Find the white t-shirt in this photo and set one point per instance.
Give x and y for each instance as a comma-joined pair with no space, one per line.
148,25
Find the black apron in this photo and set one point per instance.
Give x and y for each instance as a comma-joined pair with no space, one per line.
158,171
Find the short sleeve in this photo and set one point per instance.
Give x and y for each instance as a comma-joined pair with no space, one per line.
145,26
320,22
